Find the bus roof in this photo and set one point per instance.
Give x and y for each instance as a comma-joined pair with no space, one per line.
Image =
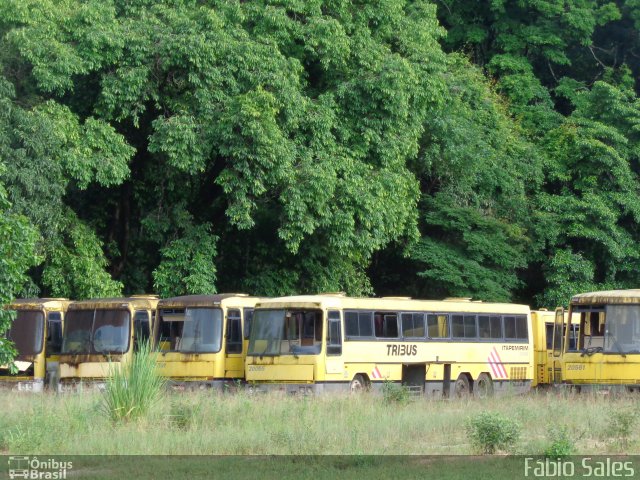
207,300
391,303
135,301
39,303
607,296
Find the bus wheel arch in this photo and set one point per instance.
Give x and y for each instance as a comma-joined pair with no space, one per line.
360,383
483,386
463,385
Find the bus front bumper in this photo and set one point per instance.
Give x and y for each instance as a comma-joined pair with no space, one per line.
79,385
35,385
217,385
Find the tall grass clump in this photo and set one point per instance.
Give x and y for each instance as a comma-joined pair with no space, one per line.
561,444
490,432
622,424
132,387
394,393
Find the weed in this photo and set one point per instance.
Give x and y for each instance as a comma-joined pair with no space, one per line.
394,393
490,432
622,423
561,445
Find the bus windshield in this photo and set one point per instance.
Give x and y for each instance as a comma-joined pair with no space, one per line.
286,332
622,329
27,332
96,331
191,330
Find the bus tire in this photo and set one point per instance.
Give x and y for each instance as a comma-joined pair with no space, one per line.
462,388
358,384
484,386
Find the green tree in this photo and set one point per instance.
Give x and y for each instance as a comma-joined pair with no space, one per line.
298,115
188,264
473,168
48,152
591,209
17,255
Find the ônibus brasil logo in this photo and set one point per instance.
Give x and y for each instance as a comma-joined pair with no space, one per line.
38,468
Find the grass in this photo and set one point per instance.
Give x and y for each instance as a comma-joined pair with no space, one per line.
296,468
212,424
132,388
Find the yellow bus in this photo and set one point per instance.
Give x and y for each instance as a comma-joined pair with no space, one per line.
542,322
37,334
202,339
101,332
330,342
608,348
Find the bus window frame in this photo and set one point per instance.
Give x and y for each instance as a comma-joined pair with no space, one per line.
246,322
424,325
49,332
334,321
233,318
517,317
136,324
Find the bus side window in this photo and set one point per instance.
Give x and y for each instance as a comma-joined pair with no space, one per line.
438,325
377,323
548,331
496,327
573,337
412,325
522,332
464,326
248,318
234,332
386,325
54,332
141,331
489,327
457,326
515,328
334,334
358,324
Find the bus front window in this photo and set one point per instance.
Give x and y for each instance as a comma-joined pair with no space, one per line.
290,332
266,332
111,331
27,332
190,330
96,331
622,329
77,331
202,330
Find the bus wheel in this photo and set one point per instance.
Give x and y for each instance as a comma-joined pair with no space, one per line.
462,388
358,384
484,386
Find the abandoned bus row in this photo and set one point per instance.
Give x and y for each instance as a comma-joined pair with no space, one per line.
330,342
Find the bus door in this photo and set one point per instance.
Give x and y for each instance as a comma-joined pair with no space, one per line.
141,328
558,341
54,333
52,348
233,360
334,362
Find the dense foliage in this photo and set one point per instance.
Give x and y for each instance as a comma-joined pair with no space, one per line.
461,148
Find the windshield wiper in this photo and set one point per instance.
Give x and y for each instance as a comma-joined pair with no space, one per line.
590,351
